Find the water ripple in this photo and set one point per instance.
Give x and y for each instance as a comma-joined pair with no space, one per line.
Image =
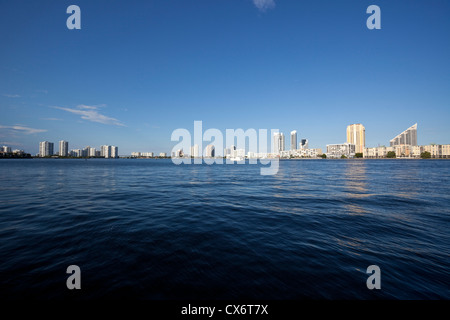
150,229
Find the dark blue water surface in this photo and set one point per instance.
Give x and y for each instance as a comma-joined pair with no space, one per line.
153,230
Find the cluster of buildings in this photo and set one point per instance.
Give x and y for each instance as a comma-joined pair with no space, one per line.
437,151
356,141
147,155
195,152
46,149
300,150
404,145
8,150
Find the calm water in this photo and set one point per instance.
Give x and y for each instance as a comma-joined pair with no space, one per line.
153,230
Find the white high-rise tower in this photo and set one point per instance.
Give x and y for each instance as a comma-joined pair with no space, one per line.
45,149
294,140
278,142
63,148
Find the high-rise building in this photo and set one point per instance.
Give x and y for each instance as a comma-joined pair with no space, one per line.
92,152
293,140
407,137
63,148
303,144
78,153
114,152
229,152
356,134
209,151
85,152
105,151
195,151
6,149
278,142
45,149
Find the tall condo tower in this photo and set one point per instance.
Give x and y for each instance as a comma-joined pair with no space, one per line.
293,140
356,134
278,142
409,137
45,149
63,148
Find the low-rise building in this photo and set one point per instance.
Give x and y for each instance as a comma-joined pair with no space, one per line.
341,149
437,151
147,154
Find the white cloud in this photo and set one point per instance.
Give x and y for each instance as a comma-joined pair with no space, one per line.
11,95
22,129
263,5
91,113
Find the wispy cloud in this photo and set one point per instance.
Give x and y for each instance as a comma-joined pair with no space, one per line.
11,95
264,5
22,129
152,126
51,119
11,143
91,113
42,91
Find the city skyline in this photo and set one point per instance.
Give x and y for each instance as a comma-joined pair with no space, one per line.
355,134
404,145
132,76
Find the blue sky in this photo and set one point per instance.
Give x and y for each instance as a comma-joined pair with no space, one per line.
137,70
